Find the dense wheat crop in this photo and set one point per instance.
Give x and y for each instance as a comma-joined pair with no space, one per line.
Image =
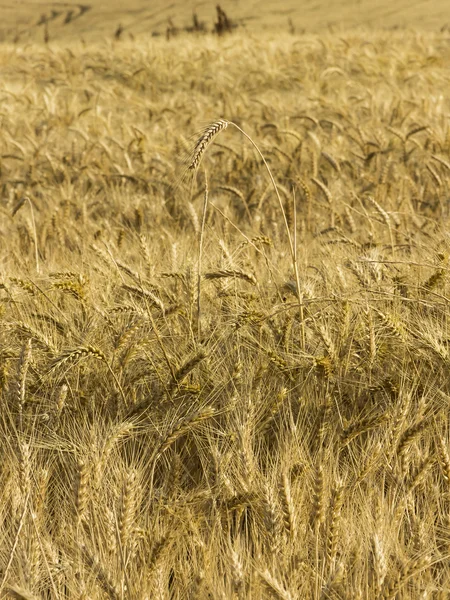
275,423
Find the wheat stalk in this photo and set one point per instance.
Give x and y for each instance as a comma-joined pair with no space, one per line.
200,148
200,256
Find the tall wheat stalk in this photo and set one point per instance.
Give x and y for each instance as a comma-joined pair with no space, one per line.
200,252
202,144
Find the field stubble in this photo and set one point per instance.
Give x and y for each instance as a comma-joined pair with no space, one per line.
293,443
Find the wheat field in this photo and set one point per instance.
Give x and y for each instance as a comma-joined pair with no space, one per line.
211,386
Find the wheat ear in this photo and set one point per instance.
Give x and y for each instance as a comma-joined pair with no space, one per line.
274,586
183,426
409,569
25,358
204,141
70,356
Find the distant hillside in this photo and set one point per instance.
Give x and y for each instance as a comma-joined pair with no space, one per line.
35,20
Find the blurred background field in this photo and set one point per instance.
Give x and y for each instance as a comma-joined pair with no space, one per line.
27,20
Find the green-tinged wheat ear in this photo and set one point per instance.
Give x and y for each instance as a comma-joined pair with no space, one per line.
204,141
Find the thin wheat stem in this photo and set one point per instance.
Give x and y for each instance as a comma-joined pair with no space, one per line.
200,251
